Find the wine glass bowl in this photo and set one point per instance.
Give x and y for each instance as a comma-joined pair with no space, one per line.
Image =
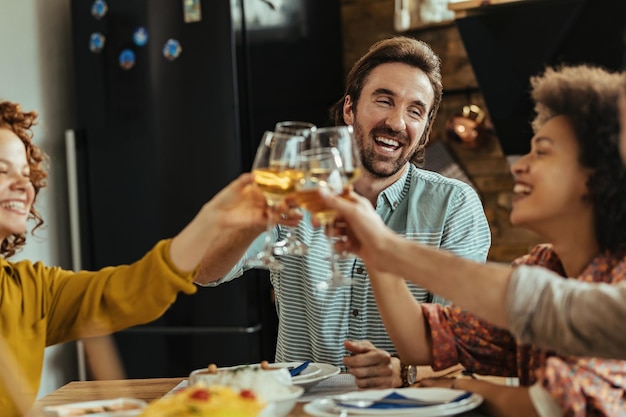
341,138
321,172
295,127
291,245
275,172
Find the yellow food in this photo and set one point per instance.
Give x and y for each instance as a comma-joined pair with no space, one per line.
199,400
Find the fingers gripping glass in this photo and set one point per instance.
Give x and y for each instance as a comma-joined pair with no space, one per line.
291,245
276,174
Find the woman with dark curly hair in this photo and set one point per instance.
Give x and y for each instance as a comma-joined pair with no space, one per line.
42,306
534,303
570,190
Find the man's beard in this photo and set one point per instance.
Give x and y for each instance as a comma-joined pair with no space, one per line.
369,156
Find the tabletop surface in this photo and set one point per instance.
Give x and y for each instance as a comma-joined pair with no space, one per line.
143,389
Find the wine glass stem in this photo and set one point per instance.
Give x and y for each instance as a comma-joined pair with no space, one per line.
333,261
267,248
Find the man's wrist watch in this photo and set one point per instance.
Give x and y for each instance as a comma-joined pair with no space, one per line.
408,374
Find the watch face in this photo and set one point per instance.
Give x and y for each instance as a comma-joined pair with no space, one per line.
411,374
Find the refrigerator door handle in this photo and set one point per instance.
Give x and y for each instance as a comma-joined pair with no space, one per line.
72,193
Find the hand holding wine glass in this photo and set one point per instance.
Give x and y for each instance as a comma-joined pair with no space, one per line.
276,174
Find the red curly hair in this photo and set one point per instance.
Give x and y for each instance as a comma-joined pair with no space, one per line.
20,123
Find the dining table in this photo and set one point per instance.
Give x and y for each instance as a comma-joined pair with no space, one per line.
148,389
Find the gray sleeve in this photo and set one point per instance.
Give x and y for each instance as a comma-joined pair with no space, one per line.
567,315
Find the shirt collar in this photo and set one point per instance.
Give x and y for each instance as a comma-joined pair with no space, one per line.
395,193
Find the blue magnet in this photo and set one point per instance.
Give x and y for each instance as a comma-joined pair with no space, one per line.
140,36
96,42
127,59
99,9
172,49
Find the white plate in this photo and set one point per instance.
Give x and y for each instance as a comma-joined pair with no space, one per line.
126,407
282,406
326,407
325,371
311,370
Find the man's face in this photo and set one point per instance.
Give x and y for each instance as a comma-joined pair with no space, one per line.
390,117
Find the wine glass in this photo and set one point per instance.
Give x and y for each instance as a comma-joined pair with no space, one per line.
321,172
291,245
295,127
276,174
341,138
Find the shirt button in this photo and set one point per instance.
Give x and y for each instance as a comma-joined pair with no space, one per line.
359,270
355,313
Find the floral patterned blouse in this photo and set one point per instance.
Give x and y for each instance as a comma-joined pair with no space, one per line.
582,386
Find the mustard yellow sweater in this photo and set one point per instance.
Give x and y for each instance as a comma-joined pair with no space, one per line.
41,306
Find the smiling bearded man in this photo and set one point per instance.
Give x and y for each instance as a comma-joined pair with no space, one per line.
392,96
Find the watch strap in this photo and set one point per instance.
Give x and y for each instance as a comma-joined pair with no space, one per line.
404,372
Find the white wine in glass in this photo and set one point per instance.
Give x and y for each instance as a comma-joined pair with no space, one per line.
276,173
321,170
291,245
343,139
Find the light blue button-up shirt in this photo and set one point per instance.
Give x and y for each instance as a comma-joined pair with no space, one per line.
422,206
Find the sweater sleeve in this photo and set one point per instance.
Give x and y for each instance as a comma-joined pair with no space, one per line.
567,315
90,303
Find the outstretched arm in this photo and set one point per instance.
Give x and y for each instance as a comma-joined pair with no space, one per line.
221,232
439,271
402,316
537,305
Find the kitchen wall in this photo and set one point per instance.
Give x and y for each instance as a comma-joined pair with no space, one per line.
36,71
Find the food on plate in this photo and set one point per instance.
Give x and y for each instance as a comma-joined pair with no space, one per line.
115,407
200,400
268,383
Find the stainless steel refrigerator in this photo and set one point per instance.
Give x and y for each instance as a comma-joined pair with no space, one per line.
172,99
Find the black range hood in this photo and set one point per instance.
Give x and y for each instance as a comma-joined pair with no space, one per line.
507,43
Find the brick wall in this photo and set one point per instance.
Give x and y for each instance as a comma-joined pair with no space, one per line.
366,21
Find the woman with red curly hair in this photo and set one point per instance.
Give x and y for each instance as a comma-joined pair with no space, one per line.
42,305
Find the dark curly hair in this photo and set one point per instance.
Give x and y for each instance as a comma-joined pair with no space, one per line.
400,49
588,96
20,123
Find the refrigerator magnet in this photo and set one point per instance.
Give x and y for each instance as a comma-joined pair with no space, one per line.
96,42
127,59
99,9
192,11
140,36
172,49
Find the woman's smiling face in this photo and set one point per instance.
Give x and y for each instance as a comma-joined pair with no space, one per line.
16,191
550,183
